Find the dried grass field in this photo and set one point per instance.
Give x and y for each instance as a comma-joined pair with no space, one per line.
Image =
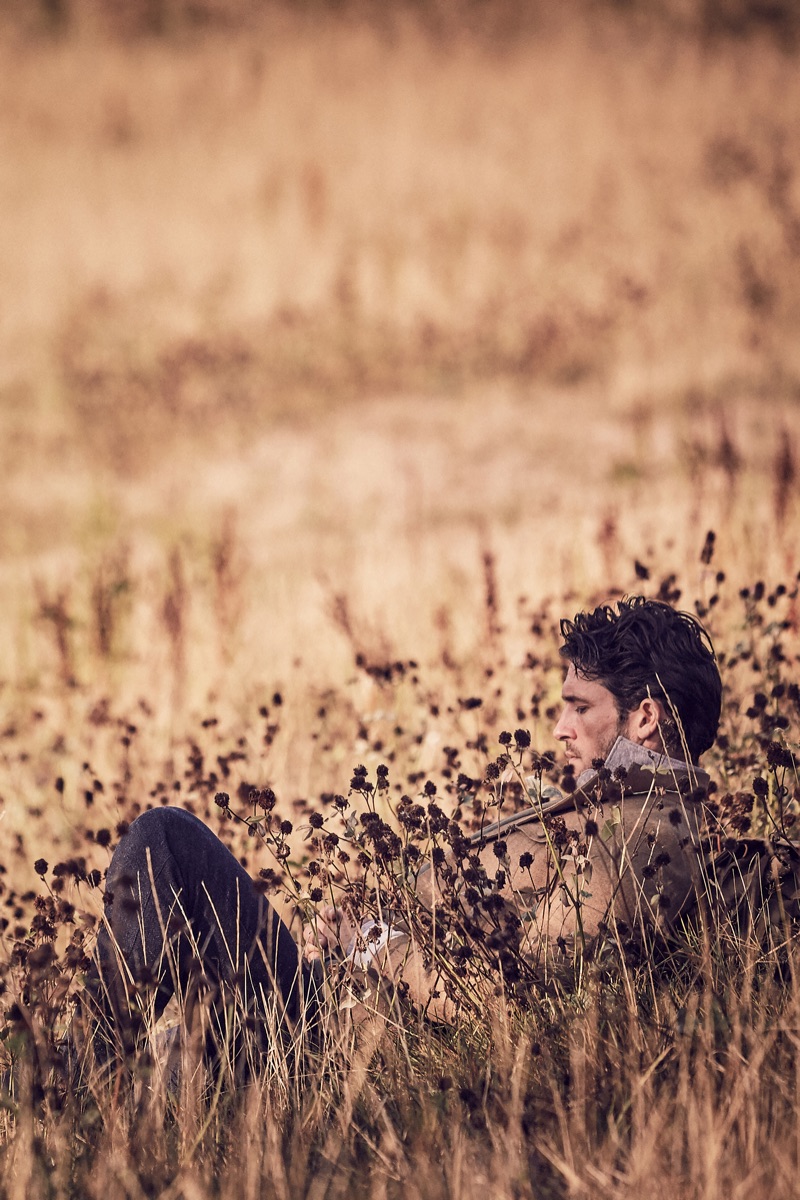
339,359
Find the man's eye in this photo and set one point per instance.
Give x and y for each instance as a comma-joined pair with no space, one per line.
580,709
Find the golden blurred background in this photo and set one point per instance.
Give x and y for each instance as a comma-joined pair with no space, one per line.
304,302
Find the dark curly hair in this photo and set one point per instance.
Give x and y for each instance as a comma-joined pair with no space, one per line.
642,648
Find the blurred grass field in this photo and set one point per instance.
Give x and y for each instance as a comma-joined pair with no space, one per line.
339,358
364,299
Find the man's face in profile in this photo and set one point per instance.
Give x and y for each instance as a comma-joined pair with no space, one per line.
589,723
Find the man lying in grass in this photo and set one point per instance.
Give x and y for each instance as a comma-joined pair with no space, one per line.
614,857
612,860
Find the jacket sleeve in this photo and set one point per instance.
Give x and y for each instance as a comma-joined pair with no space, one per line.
633,866
395,958
649,859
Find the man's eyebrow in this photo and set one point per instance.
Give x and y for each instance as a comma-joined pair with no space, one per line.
572,697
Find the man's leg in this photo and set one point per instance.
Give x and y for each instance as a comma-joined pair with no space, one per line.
184,917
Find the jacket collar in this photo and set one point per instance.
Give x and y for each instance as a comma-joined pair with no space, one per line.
627,755
644,770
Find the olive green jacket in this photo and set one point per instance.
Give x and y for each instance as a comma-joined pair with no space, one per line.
617,858
624,859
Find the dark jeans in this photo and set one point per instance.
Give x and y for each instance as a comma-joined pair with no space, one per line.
184,918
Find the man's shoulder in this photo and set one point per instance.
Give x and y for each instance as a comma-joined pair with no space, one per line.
639,781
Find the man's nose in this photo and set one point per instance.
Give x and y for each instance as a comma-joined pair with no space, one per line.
562,732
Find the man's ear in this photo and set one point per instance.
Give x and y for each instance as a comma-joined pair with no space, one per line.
642,724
